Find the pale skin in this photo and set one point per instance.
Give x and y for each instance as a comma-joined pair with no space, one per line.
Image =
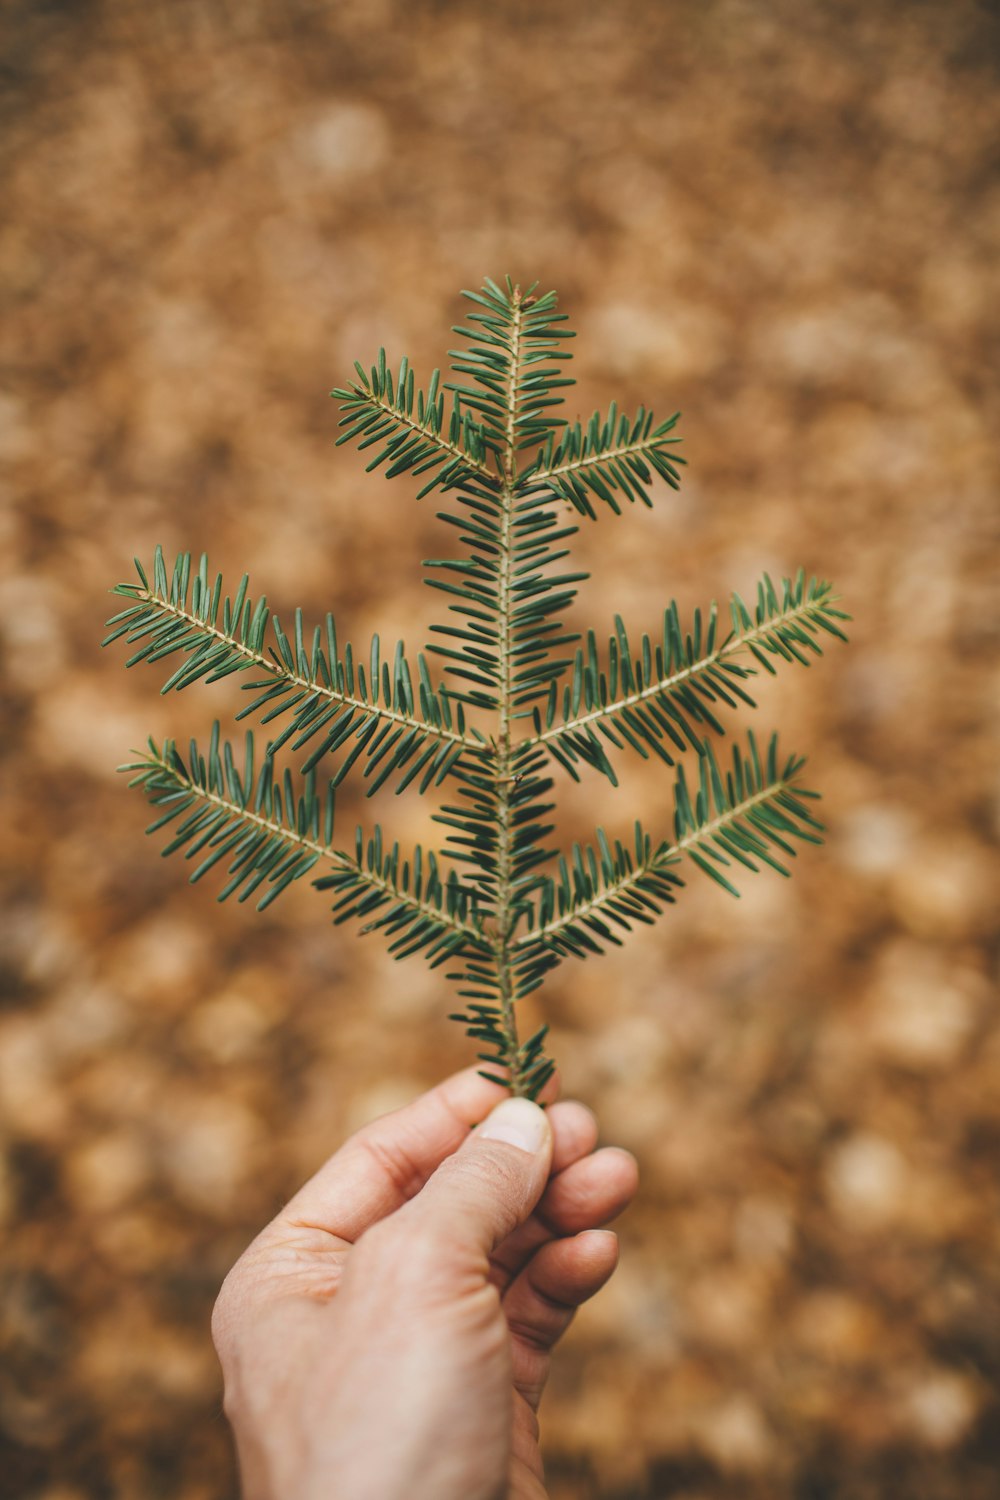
388,1335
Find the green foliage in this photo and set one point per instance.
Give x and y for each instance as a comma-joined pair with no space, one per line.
523,695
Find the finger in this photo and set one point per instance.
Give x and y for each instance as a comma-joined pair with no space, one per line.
540,1304
574,1133
386,1163
589,1192
490,1185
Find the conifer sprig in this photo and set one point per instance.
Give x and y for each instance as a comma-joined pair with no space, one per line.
524,697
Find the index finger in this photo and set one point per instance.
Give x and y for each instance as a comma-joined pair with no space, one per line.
387,1162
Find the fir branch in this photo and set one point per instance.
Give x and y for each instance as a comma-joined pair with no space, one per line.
327,696
426,912
745,815
510,907
514,360
505,591
267,831
376,411
272,833
508,600
663,694
596,891
613,459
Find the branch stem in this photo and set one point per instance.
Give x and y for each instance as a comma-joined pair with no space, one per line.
623,450
504,778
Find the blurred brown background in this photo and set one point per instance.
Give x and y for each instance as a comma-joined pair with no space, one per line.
782,217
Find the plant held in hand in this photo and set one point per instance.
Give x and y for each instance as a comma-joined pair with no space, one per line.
523,695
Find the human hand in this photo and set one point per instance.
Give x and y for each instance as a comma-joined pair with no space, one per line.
387,1336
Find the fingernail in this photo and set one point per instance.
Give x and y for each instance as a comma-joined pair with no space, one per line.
518,1122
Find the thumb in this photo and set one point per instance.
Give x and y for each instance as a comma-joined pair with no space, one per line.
490,1185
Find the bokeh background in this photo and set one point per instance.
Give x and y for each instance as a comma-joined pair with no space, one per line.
783,218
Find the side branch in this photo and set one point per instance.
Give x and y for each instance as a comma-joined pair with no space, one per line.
638,448
271,834
210,636
744,815
596,891
611,460
328,696
665,693
378,412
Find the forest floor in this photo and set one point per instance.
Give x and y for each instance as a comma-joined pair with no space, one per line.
784,219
